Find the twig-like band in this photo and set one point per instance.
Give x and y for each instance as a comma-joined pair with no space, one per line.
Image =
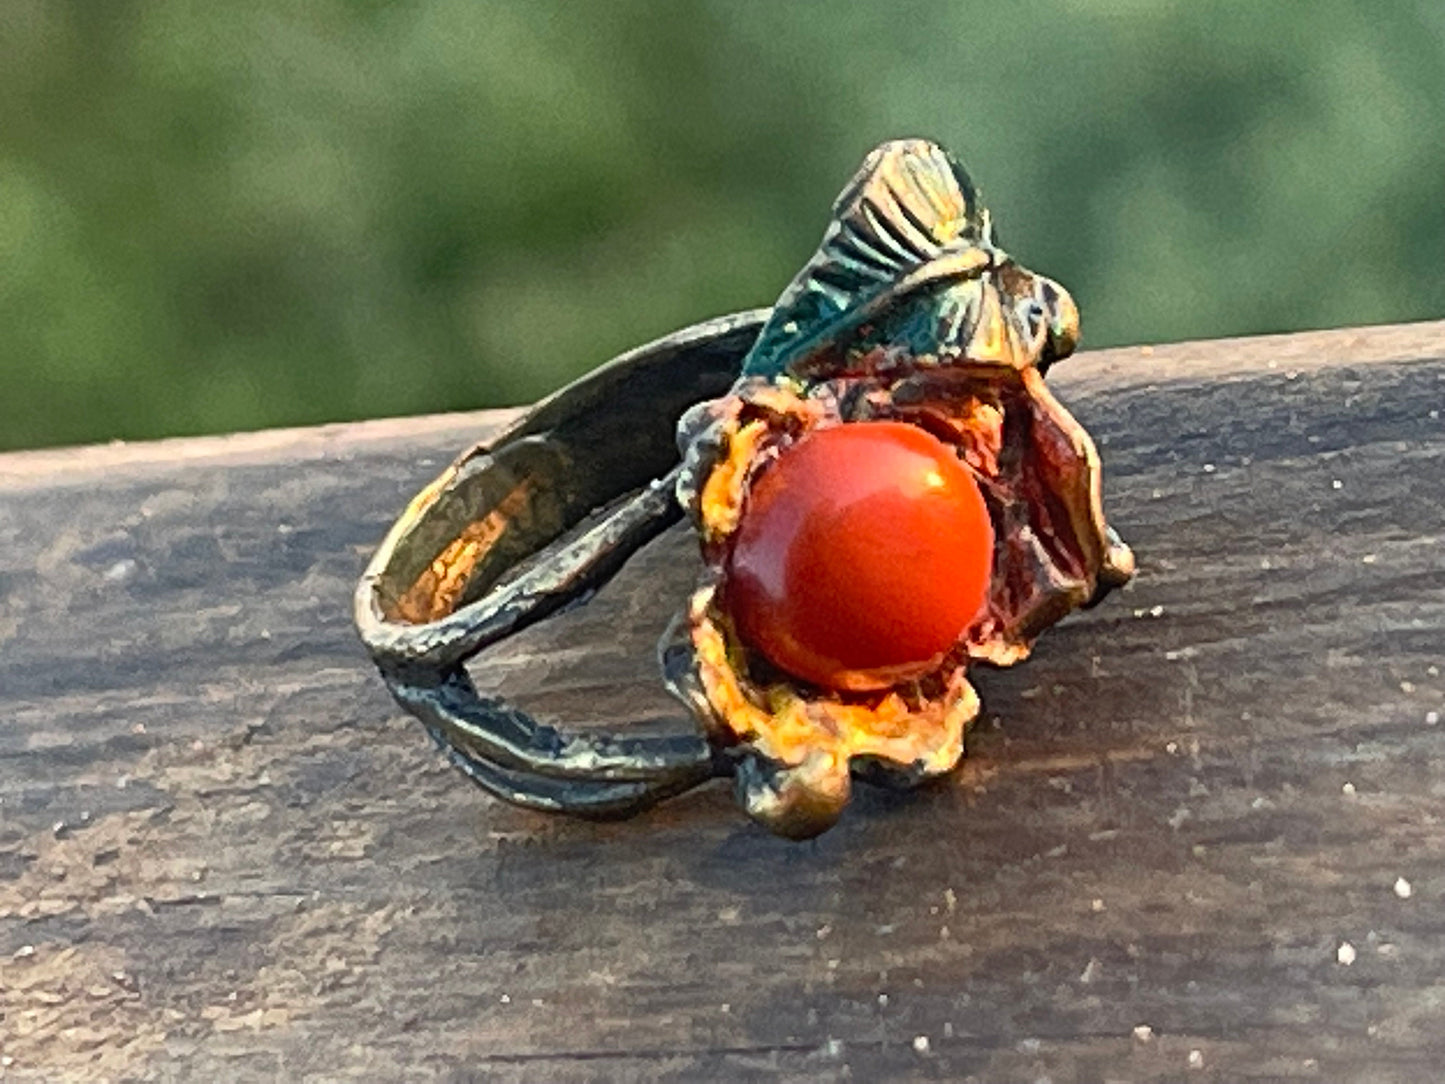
509,534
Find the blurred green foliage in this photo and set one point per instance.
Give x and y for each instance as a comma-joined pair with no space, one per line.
217,216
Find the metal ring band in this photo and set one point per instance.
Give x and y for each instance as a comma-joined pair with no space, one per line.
509,534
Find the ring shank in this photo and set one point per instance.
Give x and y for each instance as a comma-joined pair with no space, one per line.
509,534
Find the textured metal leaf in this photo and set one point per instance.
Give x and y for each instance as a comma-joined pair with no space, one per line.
909,217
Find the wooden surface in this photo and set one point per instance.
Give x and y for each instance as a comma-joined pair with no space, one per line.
224,854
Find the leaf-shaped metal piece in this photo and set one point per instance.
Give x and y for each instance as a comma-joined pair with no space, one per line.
910,217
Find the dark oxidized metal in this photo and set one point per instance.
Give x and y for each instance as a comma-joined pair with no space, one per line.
908,311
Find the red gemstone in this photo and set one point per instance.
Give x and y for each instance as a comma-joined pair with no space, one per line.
864,552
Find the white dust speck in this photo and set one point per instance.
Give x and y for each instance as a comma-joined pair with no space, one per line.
1348,790
1196,1059
1407,686
1092,970
920,1044
1156,611
1097,905
1403,888
505,999
1335,483
1431,718
1209,468
883,1001
24,951
1369,558
1432,670
1144,1033
1345,954
120,571
950,899
834,1048
948,1030
728,915
1171,747
824,930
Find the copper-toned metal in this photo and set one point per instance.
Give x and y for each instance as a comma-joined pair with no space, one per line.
908,311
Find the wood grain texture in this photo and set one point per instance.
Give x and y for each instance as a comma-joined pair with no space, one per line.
225,855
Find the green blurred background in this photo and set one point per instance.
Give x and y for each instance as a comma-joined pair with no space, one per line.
219,216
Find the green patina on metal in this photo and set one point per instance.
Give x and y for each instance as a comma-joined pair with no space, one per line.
908,261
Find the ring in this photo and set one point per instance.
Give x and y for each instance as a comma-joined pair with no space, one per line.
884,492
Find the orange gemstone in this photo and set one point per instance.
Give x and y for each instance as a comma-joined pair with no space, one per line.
864,553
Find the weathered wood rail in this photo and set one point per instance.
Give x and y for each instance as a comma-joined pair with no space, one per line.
1198,836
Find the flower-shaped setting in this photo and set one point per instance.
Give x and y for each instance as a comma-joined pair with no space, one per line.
888,494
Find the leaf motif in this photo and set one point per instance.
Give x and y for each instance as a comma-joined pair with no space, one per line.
910,216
